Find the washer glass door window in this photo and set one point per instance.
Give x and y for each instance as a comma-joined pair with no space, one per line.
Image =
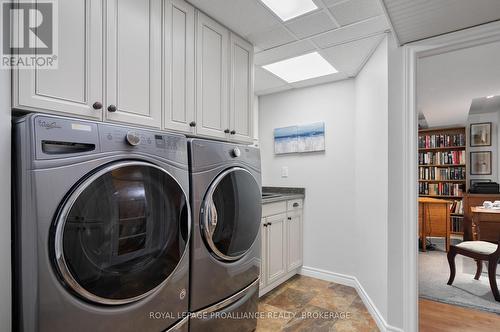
230,218
121,233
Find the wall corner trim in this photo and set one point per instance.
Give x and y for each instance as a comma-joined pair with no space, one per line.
351,281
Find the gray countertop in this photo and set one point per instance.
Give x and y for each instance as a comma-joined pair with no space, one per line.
277,194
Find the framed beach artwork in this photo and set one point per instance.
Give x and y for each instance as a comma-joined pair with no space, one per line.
480,134
298,139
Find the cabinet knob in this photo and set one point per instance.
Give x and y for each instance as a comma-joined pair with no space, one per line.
112,108
265,225
226,131
295,204
192,124
269,224
289,218
233,132
97,105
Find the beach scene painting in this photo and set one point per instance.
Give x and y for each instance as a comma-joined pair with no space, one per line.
302,138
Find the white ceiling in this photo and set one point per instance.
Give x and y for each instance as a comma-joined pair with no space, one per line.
419,19
448,83
344,32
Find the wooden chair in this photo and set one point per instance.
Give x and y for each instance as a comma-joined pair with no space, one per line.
479,251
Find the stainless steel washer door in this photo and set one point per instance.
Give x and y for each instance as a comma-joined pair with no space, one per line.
231,213
121,233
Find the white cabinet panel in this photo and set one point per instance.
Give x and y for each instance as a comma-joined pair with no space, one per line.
294,240
179,62
76,85
212,77
276,247
133,61
241,89
263,253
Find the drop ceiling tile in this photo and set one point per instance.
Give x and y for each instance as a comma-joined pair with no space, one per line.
350,57
283,52
268,39
329,3
320,80
352,32
312,24
242,16
355,10
264,80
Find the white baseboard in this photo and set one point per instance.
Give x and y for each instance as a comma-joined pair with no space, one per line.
351,281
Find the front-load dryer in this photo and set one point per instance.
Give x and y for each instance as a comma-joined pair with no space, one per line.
101,227
225,249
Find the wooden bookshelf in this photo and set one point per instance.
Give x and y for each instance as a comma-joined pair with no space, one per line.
443,168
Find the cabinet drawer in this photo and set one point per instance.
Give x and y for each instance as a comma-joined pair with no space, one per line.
273,208
295,204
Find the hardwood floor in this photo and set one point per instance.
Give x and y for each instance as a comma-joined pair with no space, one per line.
440,317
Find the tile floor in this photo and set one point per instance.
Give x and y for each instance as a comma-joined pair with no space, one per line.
309,304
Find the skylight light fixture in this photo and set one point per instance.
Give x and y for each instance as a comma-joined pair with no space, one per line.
490,96
301,68
288,9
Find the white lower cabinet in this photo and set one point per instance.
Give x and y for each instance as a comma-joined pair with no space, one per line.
281,247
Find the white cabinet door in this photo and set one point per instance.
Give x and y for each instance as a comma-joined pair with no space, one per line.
294,240
76,85
133,62
178,63
276,247
263,253
212,77
241,89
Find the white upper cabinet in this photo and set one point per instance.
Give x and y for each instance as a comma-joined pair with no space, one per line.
154,63
241,89
212,78
133,62
76,86
178,63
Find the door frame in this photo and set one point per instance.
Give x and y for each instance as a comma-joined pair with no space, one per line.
471,37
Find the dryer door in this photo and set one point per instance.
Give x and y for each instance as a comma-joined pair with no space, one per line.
230,218
121,232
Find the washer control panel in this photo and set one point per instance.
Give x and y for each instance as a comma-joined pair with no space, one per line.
116,138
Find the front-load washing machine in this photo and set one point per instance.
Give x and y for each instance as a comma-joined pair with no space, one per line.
101,227
225,249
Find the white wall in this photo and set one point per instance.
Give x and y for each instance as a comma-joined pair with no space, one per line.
371,165
5,241
346,208
328,176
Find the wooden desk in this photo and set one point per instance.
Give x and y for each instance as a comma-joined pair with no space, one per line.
485,224
434,219
471,200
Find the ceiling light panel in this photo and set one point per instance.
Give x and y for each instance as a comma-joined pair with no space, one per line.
288,9
301,68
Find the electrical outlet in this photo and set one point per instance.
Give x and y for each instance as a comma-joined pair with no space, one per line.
284,171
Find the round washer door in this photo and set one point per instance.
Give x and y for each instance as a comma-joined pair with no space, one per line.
230,218
121,232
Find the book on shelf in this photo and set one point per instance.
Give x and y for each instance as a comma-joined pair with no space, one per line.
441,141
457,224
442,158
457,207
440,189
437,173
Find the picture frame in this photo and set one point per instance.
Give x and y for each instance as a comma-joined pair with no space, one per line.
480,163
299,138
474,181
480,134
